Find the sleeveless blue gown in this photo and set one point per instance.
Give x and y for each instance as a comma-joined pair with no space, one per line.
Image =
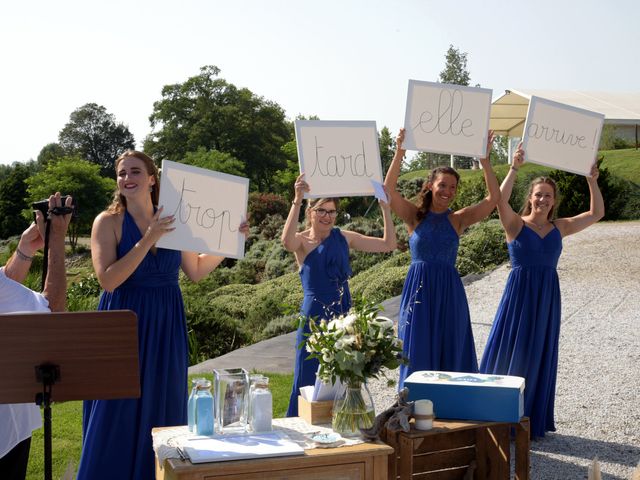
324,275
117,433
434,322
524,337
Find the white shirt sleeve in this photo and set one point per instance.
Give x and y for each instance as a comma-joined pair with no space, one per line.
17,421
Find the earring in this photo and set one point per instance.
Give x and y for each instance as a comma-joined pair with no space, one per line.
151,189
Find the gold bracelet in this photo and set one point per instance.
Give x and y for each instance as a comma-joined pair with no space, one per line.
22,256
296,204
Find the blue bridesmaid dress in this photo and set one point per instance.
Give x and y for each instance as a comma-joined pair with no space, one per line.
434,322
324,275
117,433
524,337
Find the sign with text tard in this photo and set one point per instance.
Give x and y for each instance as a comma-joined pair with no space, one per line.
446,118
208,206
338,158
561,136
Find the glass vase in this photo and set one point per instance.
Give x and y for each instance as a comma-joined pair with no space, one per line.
352,409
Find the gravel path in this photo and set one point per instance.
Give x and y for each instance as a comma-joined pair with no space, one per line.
597,407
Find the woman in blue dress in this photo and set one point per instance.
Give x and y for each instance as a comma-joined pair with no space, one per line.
138,276
434,322
322,253
524,337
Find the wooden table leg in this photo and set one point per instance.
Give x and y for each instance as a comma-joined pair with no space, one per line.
523,439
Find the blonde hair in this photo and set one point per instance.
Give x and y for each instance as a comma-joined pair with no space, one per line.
119,203
314,204
526,208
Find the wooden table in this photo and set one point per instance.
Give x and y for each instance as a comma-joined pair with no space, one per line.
366,461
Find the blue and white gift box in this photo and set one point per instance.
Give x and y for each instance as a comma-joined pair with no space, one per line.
469,396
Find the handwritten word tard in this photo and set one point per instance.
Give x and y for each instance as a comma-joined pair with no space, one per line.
546,133
204,217
338,165
447,120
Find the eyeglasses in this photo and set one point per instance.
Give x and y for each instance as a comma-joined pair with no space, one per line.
323,213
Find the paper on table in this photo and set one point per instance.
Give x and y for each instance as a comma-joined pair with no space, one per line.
378,191
235,447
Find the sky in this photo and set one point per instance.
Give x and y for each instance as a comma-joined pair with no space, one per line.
337,59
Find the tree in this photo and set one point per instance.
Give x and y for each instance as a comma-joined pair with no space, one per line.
94,134
387,148
455,69
215,160
49,153
13,191
207,111
82,180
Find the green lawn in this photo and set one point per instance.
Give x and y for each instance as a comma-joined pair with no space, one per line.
623,163
67,429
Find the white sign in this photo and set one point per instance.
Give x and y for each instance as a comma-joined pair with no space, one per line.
338,158
561,136
209,207
445,118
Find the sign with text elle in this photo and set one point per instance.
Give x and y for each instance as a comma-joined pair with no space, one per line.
208,206
338,158
446,118
561,136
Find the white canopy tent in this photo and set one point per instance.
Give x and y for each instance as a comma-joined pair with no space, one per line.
622,110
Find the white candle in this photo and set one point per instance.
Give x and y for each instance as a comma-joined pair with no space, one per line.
420,408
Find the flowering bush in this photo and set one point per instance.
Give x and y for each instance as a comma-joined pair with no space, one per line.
354,347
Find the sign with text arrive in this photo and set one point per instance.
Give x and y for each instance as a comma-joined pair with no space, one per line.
561,136
445,118
338,158
209,207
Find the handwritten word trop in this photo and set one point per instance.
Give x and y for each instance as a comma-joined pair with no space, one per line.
448,118
204,217
339,164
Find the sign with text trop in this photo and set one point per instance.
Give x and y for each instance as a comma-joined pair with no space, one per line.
338,158
446,118
561,136
209,207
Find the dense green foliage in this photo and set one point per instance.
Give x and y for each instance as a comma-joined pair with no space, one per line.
208,112
93,134
80,179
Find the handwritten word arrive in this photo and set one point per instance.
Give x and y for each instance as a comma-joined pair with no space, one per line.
554,135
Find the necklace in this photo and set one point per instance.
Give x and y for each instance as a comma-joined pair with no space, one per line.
539,227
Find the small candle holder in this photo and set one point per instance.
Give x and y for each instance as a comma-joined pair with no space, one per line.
423,414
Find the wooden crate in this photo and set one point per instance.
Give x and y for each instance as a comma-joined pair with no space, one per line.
453,449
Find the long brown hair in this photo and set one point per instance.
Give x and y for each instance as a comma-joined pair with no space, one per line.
119,203
314,204
426,196
526,207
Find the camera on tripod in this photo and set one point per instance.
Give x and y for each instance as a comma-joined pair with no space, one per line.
43,206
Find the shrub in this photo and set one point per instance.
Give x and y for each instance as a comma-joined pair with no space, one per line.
482,248
263,204
280,326
381,285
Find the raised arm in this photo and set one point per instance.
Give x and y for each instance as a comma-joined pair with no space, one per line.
467,216
569,226
290,240
17,267
111,271
55,285
364,243
511,221
402,207
197,266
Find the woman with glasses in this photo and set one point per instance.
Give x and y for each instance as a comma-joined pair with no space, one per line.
434,321
322,253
